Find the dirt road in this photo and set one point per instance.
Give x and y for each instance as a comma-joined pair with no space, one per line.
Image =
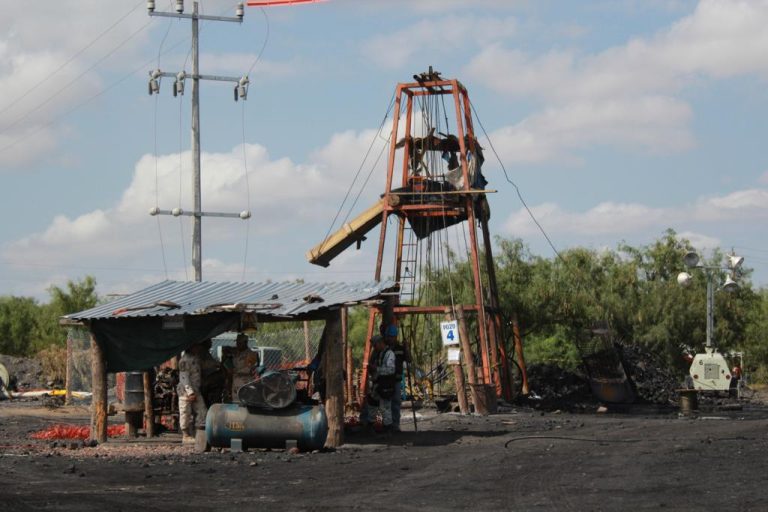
519,460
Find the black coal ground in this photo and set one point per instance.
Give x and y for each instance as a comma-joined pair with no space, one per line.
522,459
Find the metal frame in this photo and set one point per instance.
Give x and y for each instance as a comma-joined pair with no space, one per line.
489,321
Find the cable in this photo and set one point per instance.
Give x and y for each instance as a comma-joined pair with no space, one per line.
78,77
85,102
247,193
181,174
357,174
29,91
517,189
157,187
264,44
566,438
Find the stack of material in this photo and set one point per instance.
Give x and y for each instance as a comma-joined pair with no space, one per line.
555,388
654,382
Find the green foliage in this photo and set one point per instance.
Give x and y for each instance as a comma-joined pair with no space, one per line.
27,327
632,290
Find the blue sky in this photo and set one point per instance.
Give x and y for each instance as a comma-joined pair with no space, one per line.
617,119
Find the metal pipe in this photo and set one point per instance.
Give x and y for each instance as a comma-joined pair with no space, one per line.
197,256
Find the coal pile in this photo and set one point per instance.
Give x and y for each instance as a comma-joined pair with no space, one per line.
26,373
553,387
654,382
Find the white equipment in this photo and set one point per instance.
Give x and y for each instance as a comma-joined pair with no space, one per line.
710,371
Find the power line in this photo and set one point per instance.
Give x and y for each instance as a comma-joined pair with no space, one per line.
517,189
72,82
32,89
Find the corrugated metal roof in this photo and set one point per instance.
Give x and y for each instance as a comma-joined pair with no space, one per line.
290,299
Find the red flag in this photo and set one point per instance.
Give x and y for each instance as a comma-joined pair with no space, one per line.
270,3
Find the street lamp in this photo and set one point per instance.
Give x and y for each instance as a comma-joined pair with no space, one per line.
710,370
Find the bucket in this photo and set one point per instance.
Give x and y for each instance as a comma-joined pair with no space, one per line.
689,401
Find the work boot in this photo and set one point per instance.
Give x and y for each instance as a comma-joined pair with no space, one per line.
187,439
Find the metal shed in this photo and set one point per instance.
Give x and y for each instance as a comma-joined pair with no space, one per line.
145,328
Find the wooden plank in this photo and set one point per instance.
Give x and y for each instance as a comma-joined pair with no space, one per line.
347,235
334,387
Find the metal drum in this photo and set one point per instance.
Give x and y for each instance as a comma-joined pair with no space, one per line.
305,424
133,401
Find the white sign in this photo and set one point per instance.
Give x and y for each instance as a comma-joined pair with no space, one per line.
450,332
454,355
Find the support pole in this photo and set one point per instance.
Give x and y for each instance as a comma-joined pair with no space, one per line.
70,371
458,375
349,385
99,388
307,352
334,388
519,353
466,347
149,410
197,238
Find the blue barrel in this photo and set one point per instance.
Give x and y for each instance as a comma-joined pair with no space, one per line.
305,424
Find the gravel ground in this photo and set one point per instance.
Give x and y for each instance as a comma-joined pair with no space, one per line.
521,459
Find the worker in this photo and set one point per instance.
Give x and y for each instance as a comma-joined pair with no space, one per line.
382,373
240,364
401,356
191,402
212,376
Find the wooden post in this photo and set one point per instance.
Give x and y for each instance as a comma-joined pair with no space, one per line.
70,363
307,351
519,352
149,410
348,365
466,347
99,389
458,375
334,388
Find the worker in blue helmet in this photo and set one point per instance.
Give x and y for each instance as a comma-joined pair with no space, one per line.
401,356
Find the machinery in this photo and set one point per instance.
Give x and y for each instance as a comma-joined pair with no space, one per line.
709,371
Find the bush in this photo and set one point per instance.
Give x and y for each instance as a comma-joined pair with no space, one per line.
54,362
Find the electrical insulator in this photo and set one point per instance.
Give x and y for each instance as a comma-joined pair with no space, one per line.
179,6
151,5
240,11
241,90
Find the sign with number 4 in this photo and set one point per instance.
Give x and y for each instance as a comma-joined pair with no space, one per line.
450,332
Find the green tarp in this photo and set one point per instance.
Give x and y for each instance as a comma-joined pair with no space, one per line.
137,344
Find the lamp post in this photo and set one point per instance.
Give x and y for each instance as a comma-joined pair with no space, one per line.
710,370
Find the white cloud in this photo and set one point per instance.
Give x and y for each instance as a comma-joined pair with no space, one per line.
625,94
763,178
34,42
700,241
610,218
435,35
283,194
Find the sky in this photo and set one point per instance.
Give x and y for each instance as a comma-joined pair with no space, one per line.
617,119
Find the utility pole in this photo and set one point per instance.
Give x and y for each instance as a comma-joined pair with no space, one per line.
241,92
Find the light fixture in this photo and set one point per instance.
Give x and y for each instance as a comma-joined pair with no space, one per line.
691,259
178,85
179,6
241,89
730,285
240,11
154,81
684,278
735,261
151,5
245,214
